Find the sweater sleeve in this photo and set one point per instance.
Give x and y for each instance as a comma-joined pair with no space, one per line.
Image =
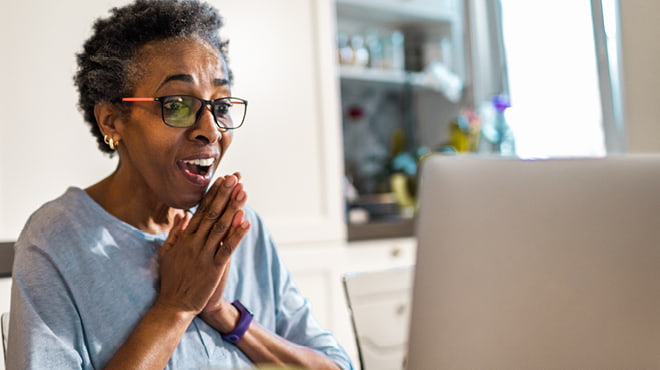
296,323
294,320
45,331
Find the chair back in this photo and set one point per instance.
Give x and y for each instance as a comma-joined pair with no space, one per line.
379,303
4,328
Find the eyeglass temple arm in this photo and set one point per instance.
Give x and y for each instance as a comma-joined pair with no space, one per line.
138,99
154,99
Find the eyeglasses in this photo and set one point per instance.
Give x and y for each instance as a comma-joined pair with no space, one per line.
183,111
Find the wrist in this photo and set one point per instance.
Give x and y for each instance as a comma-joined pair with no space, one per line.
242,324
223,319
171,313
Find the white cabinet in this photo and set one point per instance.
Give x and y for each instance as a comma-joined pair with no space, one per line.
318,273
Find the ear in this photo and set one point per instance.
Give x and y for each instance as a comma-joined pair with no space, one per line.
108,118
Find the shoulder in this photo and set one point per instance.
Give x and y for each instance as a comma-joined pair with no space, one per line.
54,210
56,218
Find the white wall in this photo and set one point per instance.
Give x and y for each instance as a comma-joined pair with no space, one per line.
640,27
289,146
45,144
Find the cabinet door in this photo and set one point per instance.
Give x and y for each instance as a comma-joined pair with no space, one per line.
282,55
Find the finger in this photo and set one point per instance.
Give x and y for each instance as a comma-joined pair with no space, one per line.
186,221
222,226
179,224
214,223
238,175
237,200
204,205
239,229
177,228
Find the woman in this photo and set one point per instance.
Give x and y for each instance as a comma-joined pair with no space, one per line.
122,275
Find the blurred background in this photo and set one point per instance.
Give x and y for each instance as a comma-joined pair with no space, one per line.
347,97
530,79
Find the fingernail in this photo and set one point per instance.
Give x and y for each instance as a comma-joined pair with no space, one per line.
245,224
230,181
240,196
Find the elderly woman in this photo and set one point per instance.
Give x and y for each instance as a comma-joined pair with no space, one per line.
158,265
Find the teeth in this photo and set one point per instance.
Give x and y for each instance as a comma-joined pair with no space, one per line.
201,162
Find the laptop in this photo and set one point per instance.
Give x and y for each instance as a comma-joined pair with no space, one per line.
537,264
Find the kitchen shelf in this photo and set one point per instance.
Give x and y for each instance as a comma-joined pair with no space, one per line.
386,76
377,75
397,11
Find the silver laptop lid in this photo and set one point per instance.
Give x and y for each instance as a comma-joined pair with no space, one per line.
551,264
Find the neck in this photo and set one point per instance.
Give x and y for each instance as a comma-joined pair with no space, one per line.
133,204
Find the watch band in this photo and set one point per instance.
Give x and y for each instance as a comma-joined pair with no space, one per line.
243,324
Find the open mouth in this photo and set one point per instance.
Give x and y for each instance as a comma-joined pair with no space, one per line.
198,167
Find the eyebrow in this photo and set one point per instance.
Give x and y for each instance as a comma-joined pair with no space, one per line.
179,77
221,82
189,78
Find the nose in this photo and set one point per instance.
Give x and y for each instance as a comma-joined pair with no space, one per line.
206,130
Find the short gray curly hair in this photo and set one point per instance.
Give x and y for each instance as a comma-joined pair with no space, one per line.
104,73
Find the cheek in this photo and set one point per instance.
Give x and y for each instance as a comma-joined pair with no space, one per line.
148,150
148,140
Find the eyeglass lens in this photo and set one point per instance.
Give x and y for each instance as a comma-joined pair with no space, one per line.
183,111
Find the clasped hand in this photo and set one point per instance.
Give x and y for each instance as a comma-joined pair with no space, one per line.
194,260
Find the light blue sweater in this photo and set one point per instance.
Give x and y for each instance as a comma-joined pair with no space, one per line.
83,279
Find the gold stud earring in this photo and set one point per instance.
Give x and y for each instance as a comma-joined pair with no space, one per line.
110,141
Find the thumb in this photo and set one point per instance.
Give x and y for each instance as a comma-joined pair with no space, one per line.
178,226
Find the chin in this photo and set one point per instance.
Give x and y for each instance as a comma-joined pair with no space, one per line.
188,201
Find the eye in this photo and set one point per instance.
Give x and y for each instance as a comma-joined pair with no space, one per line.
178,110
221,108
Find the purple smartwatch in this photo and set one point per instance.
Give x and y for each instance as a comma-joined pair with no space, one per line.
243,323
